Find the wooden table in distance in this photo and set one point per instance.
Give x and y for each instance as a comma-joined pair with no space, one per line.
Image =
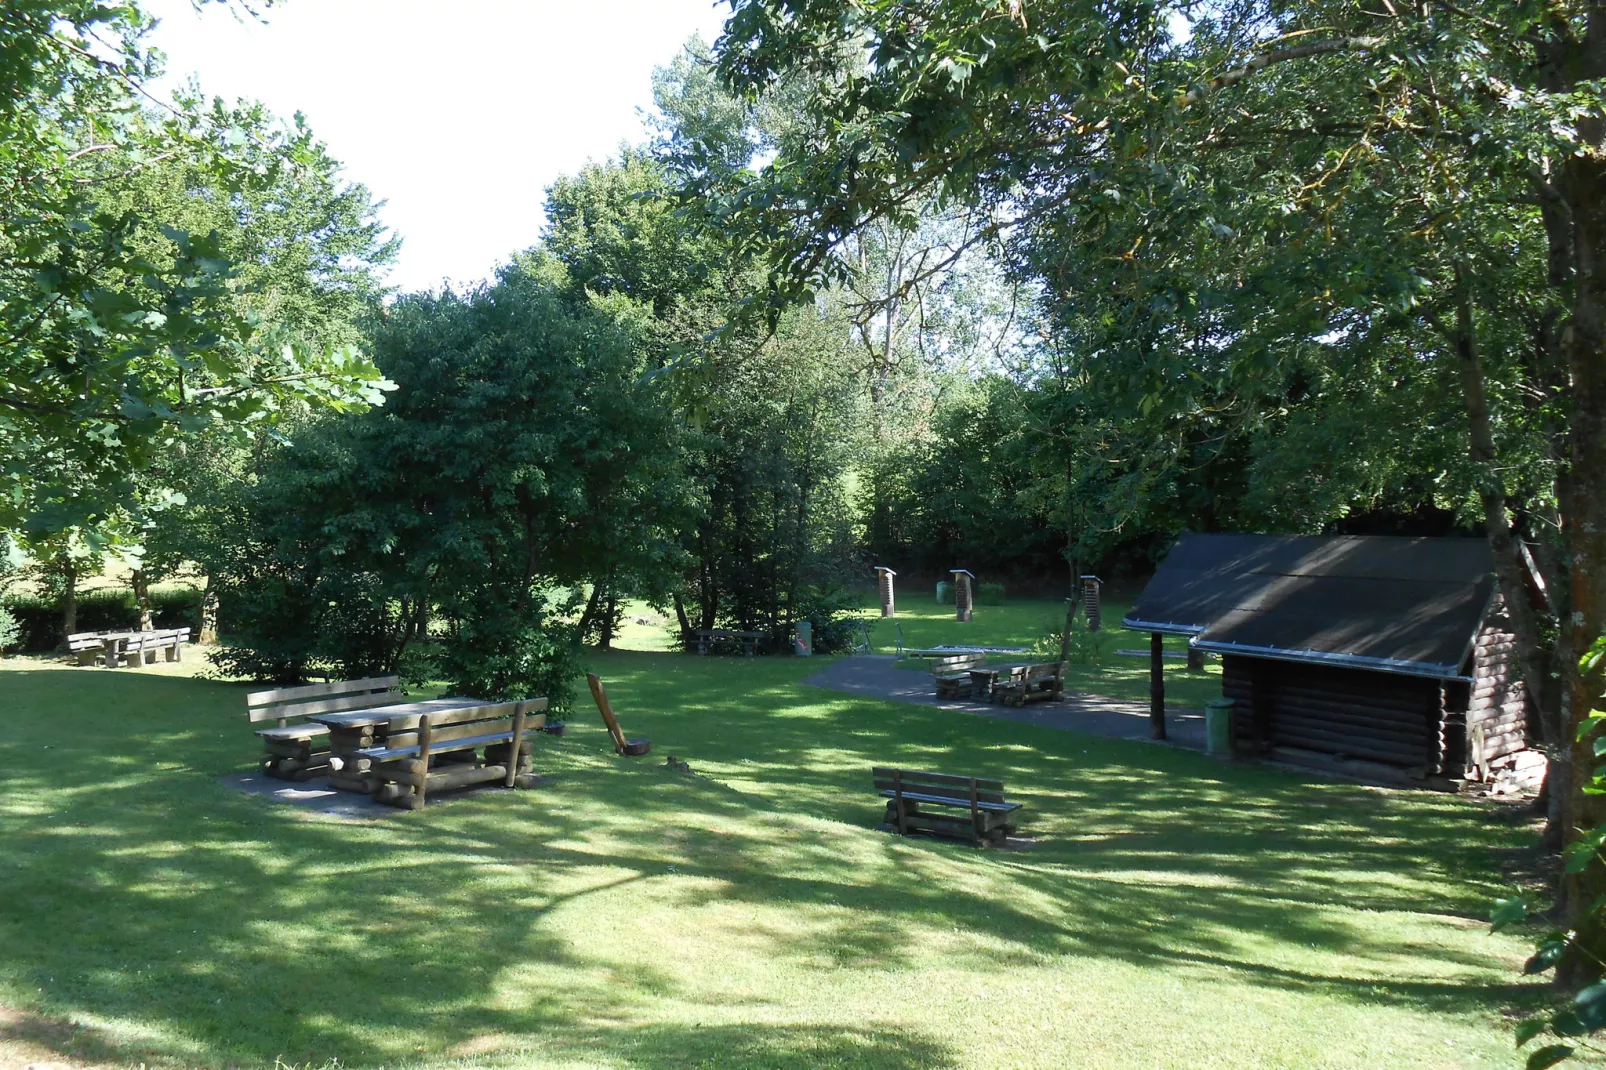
983,680
351,732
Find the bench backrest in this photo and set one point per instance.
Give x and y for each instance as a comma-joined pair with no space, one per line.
285,703
604,707
958,662
85,641
945,785
447,726
1045,671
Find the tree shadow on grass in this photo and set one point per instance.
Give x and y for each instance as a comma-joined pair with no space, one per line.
227,927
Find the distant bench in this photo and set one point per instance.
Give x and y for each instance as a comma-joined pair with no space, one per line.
714,639
988,816
117,649
1032,683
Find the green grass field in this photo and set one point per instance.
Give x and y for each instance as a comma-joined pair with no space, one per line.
1173,911
1095,669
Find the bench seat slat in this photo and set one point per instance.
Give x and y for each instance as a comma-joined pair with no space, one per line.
385,754
295,731
911,776
336,704
943,800
962,794
335,687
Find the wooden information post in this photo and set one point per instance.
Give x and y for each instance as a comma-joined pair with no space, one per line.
885,576
1090,601
963,599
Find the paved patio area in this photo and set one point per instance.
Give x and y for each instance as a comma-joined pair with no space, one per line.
877,676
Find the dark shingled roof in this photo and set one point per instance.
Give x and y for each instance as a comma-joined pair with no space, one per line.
1376,602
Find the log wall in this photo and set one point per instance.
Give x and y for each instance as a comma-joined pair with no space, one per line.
1497,706
1353,713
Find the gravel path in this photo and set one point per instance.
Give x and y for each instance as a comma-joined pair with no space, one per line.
876,676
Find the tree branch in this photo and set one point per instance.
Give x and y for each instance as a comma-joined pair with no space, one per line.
1284,55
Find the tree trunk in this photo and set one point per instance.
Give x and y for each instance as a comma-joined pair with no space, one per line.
69,600
610,618
142,598
206,626
1586,621
680,616
1510,566
589,616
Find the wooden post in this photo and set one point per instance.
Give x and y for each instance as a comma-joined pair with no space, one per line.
897,796
1090,600
513,751
1156,687
425,734
962,594
885,575
975,814
1196,662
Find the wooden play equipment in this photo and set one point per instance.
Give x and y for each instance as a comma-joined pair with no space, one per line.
620,743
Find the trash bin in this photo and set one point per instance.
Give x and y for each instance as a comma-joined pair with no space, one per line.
803,639
945,593
1218,727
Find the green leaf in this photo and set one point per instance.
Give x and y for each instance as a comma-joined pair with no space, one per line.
1549,1055
1507,911
1529,1028
1590,1007
1547,955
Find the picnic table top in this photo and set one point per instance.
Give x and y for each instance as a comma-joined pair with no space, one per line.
123,637
726,632
401,711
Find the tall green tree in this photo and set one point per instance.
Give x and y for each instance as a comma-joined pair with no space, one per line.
1227,201
121,330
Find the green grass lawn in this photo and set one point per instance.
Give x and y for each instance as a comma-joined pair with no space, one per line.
1173,912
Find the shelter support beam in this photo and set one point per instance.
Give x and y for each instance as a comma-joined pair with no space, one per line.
1156,686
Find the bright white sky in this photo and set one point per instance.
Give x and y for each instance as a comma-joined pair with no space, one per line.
458,114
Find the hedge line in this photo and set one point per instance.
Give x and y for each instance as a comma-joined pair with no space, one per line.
98,611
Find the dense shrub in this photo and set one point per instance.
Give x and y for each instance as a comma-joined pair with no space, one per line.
39,618
990,594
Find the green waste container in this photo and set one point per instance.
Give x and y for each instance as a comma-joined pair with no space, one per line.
1218,727
945,593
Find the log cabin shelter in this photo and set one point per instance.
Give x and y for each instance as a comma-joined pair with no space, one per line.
1385,649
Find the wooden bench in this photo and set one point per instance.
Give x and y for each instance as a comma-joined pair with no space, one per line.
1035,683
715,639
141,648
631,747
952,674
441,753
987,816
88,647
296,751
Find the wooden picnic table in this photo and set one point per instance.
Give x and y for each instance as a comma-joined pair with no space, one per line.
985,679
357,729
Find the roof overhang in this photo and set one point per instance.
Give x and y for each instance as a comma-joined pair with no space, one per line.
1350,661
1155,626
